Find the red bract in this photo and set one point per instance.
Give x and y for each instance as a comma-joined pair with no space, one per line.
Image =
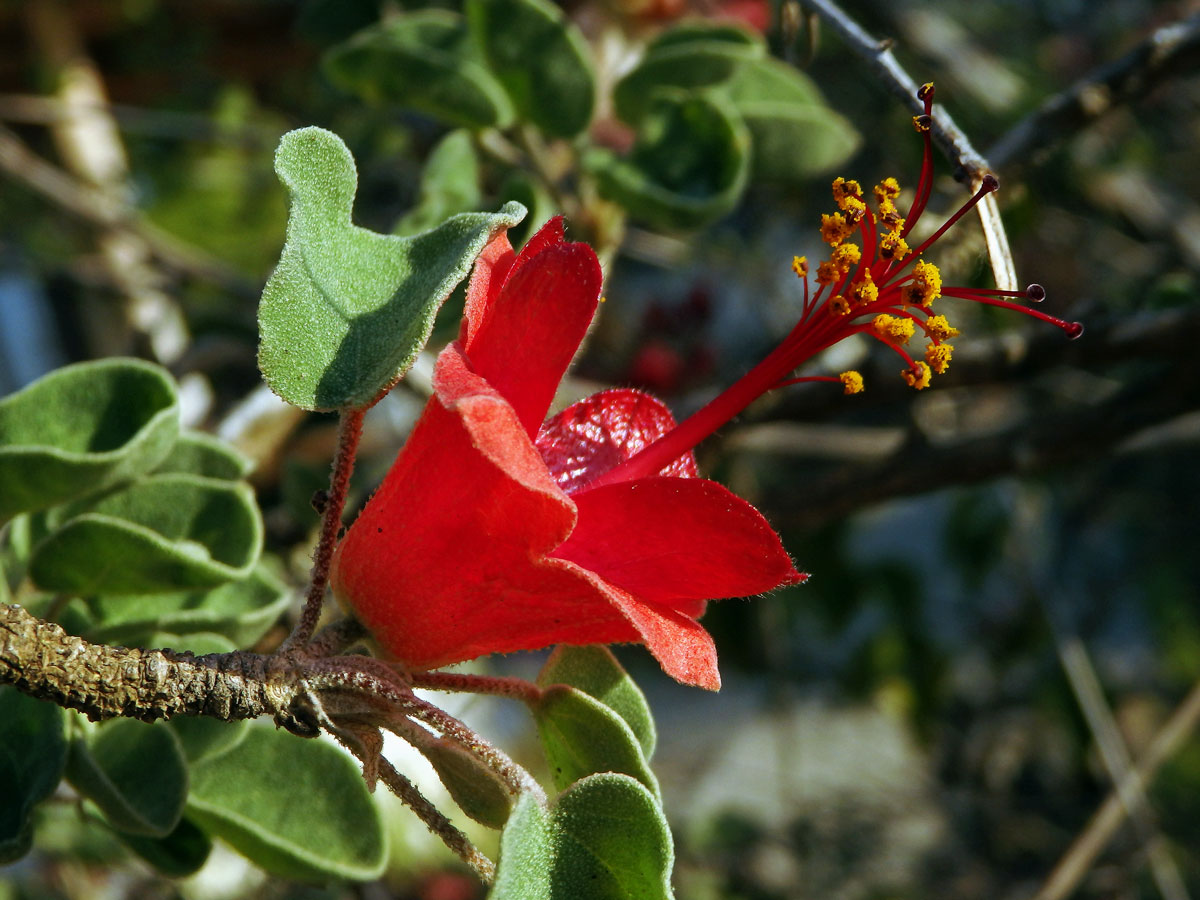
489,535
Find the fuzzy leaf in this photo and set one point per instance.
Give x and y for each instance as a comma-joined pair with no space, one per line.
605,839
135,773
449,184
197,453
581,736
541,59
297,808
81,429
347,310
241,610
161,533
595,671
175,855
475,788
424,61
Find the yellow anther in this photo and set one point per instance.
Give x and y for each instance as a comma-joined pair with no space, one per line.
917,377
839,305
895,329
938,328
888,189
892,246
852,382
865,292
922,123
800,266
835,229
938,356
828,273
925,287
845,257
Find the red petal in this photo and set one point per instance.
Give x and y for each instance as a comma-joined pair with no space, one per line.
680,644
676,542
524,345
592,436
491,269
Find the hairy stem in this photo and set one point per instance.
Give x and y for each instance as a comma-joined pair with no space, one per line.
349,432
495,685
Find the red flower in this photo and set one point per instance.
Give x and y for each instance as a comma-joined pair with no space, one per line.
488,534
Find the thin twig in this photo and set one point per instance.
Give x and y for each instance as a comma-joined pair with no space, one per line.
349,432
495,685
1101,828
1169,51
948,137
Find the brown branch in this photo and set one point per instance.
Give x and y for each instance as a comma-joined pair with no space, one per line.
104,682
1171,50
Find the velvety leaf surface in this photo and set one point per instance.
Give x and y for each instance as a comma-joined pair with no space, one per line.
203,738
33,752
689,165
175,855
424,61
347,310
298,808
541,59
449,184
163,532
605,839
595,671
197,453
475,788
240,610
581,736
135,773
81,429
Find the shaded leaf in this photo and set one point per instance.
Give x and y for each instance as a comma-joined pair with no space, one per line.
477,790
177,854
347,310
135,773
197,453
423,61
595,671
33,753
240,610
449,184
81,429
689,57
298,808
163,532
542,60
689,166
526,854
581,736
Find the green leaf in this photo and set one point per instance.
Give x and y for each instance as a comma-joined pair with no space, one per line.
176,855
542,60
241,610
595,671
605,839
33,753
347,310
794,134
531,193
581,736
202,738
477,790
81,429
526,854
611,841
688,168
197,453
298,808
689,57
161,533
135,773
449,184
423,61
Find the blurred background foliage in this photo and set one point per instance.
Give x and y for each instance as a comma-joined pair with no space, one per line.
1004,600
